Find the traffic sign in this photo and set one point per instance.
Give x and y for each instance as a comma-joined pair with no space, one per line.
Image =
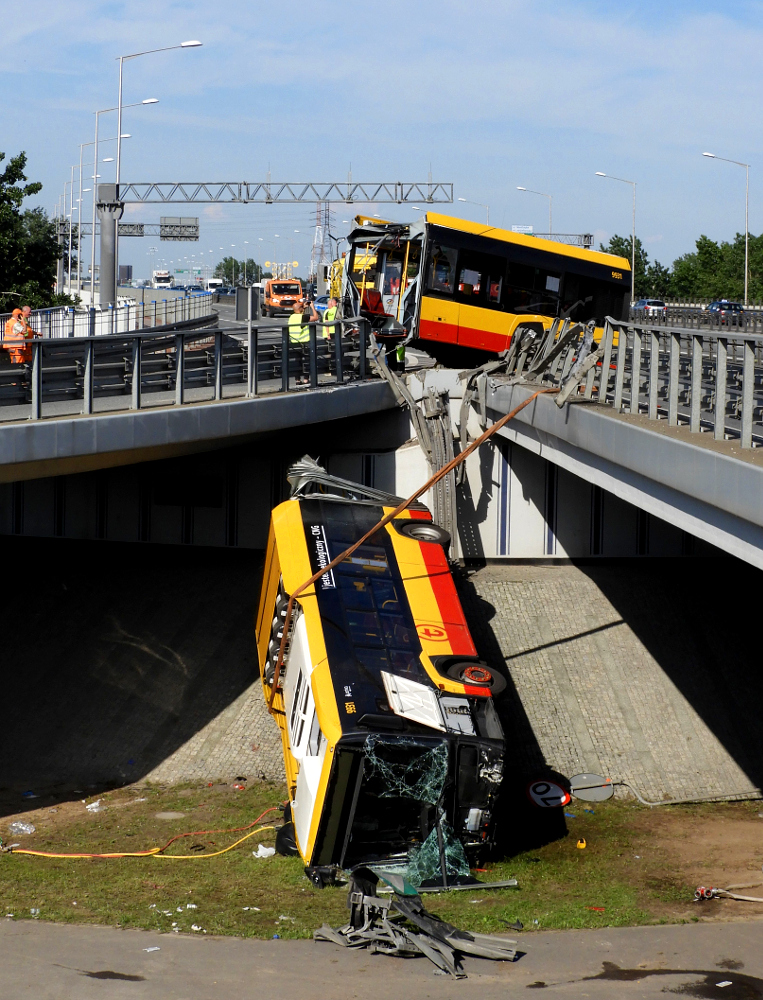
547,794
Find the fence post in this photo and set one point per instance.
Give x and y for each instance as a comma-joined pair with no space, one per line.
285,359
218,364
87,387
719,430
250,348
673,370
748,384
636,370
136,374
654,371
164,312
338,352
622,346
363,345
313,355
696,383
179,370
36,379
92,321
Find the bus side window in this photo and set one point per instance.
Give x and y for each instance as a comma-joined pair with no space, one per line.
480,278
441,272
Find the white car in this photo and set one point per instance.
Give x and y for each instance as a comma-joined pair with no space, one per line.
651,307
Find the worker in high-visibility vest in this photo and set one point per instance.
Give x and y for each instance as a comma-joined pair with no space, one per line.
328,315
299,331
14,339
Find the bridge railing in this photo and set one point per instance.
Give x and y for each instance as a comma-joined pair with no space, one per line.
68,321
710,381
117,372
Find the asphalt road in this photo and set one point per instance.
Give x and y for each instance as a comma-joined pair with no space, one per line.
58,962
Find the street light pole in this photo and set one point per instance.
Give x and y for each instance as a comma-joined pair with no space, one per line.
479,203
122,61
746,166
543,195
633,236
103,111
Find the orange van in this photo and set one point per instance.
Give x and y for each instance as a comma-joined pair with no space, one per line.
280,296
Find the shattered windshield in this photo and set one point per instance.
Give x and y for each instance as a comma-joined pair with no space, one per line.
398,814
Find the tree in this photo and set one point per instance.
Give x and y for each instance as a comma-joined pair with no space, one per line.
659,281
29,251
234,271
621,246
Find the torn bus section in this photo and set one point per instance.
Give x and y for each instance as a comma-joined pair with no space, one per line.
393,750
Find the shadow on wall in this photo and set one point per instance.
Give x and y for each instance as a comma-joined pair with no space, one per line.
700,620
522,826
116,655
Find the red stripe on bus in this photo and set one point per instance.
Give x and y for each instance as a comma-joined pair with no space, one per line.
445,594
432,330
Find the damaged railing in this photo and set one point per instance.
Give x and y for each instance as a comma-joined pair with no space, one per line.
705,380
185,366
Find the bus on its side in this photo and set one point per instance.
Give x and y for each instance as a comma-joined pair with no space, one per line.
392,746
456,285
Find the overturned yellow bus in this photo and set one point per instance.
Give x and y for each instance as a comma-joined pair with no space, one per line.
392,746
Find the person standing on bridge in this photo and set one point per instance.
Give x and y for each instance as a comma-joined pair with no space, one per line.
328,316
299,332
14,339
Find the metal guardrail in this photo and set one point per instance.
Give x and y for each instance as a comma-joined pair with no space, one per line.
705,380
195,365
694,317
67,321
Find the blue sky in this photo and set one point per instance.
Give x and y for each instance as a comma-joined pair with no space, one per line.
492,94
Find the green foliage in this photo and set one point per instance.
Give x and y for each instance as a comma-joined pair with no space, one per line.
711,271
28,248
234,272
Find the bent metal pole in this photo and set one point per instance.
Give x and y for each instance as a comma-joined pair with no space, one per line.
452,464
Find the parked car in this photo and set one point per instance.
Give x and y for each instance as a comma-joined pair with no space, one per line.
727,313
651,307
194,288
321,304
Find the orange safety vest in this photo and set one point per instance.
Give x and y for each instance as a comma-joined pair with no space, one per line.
14,341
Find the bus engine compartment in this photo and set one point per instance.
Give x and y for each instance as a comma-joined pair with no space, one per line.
393,749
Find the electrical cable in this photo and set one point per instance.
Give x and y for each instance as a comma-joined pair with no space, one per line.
158,852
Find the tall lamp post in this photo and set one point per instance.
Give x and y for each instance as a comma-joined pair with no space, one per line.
543,195
103,111
633,236
746,215
122,60
479,203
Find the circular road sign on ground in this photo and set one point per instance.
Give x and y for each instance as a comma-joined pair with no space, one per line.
547,794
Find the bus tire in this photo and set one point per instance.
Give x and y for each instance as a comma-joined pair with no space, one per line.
422,531
286,842
478,675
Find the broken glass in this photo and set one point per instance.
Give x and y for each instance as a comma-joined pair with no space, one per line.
424,861
406,769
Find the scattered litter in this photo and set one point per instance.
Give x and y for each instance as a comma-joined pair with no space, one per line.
53,810
191,906
76,791
582,843
167,913
174,924
384,925
195,927
240,788
28,795
702,892
276,937
153,948
475,900
19,828
637,857
94,807
264,852
169,815
284,917
241,778
152,906
571,815
726,982
180,909
597,909
14,845
10,914
74,902
536,921
255,908
35,912
588,810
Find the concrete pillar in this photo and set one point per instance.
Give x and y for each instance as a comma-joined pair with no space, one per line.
109,213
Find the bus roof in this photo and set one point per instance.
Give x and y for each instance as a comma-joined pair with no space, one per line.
506,236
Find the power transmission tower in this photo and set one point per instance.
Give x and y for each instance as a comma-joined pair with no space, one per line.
320,254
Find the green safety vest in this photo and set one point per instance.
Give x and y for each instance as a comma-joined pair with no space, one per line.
299,332
328,315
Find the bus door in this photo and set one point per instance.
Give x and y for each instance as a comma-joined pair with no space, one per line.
482,321
306,741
